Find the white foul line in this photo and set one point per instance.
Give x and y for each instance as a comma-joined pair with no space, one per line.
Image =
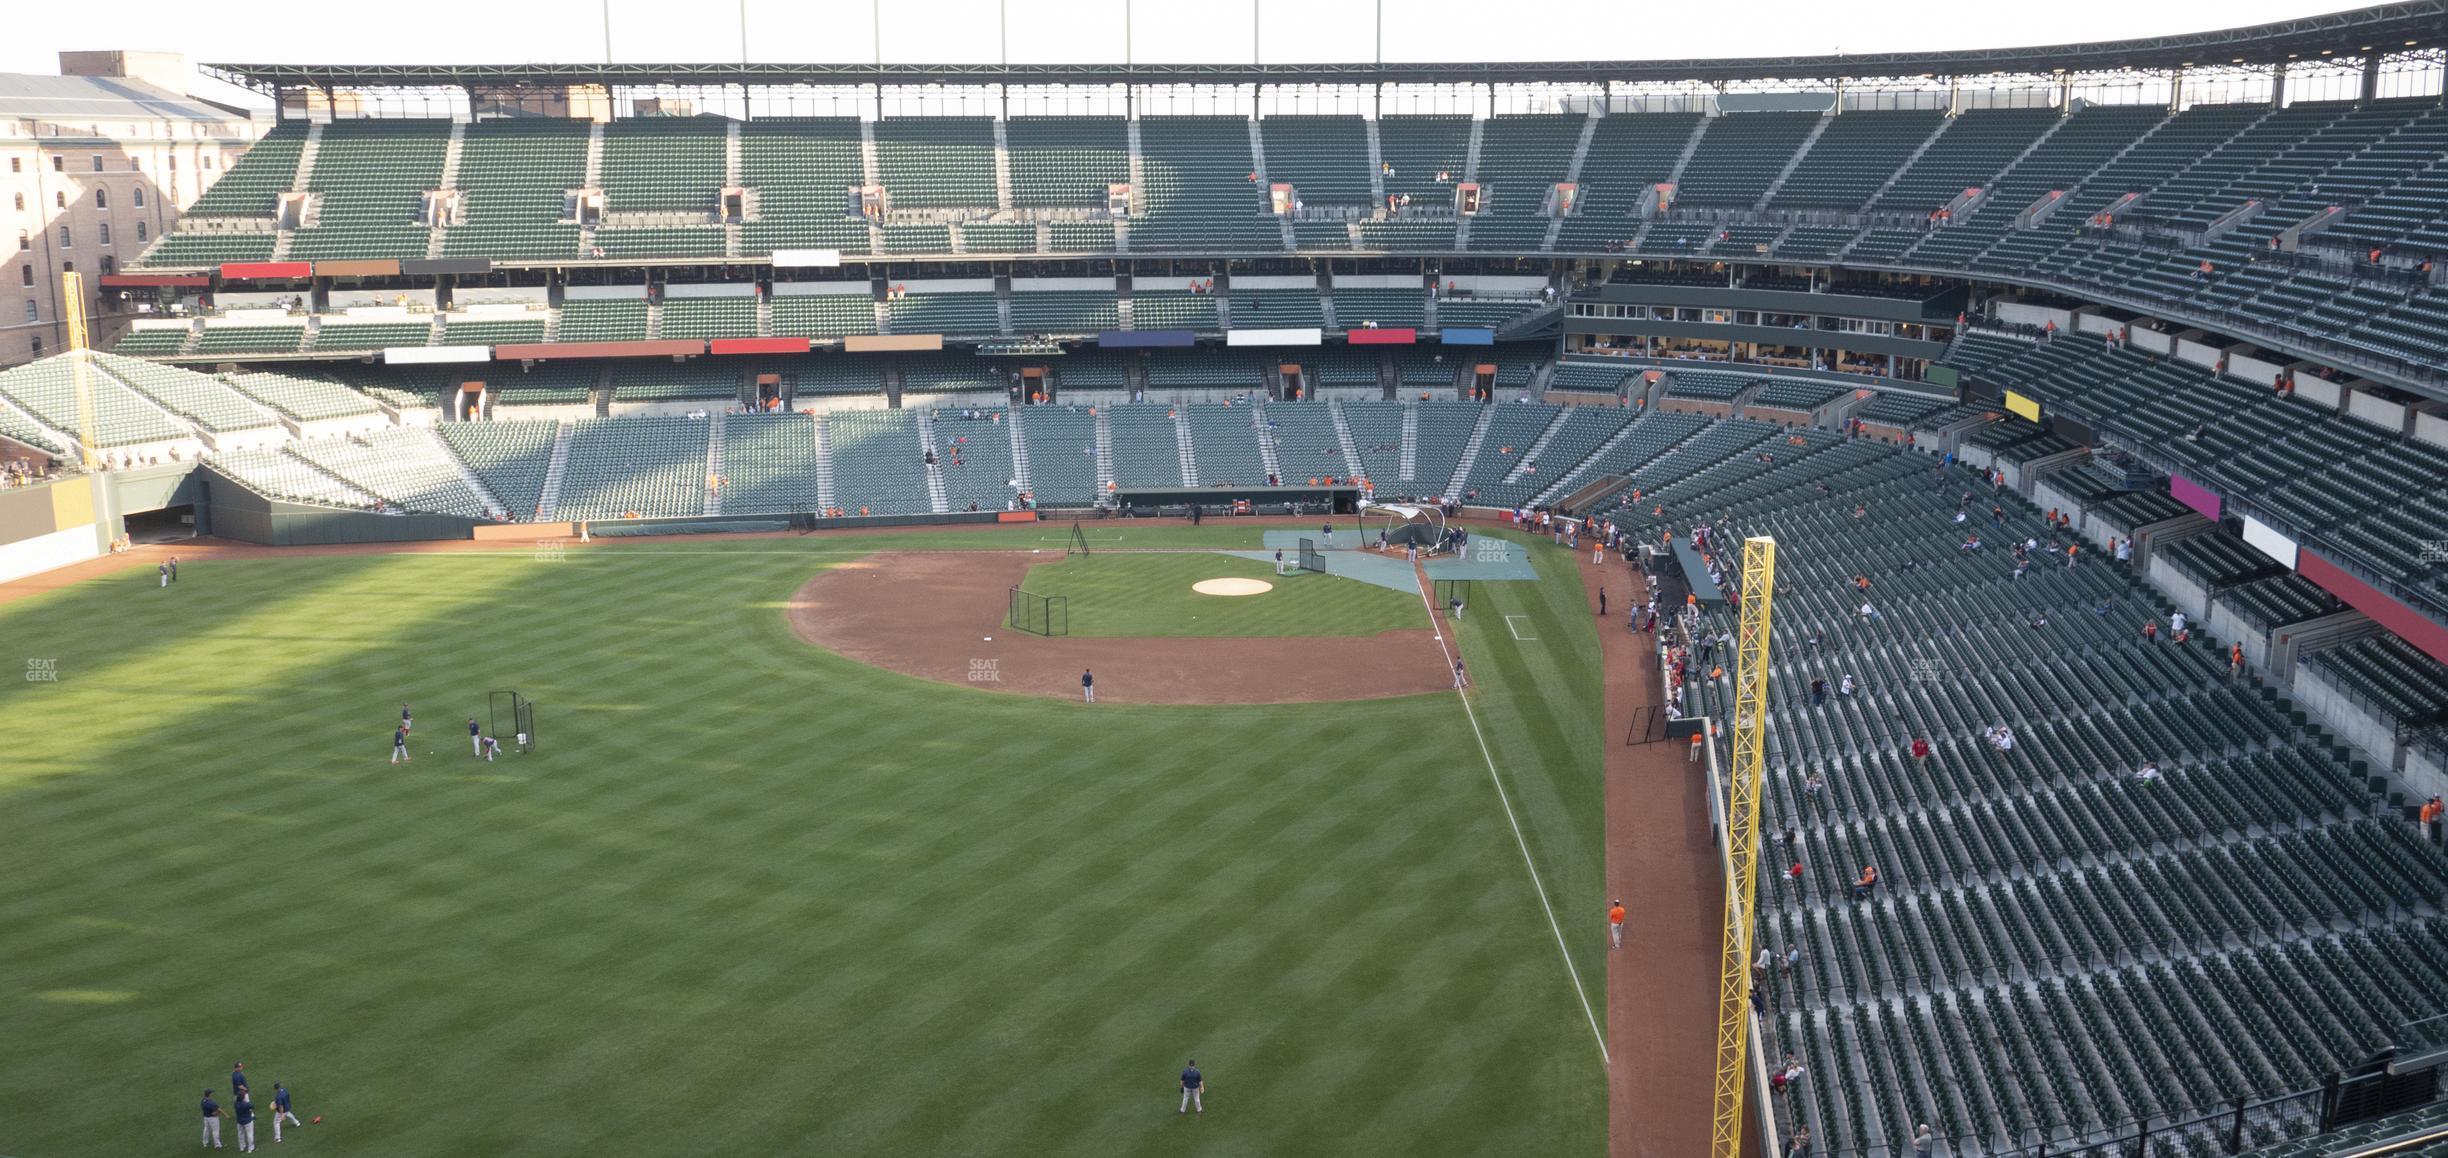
1536,885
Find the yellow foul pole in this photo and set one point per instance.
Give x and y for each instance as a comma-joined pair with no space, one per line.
1742,843
80,364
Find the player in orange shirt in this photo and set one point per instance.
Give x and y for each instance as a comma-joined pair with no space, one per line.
1615,920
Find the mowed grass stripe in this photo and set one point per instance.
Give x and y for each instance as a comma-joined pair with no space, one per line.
748,895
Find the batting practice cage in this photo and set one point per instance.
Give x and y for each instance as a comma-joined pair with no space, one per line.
1310,559
1452,592
517,711
1039,614
1404,525
1078,544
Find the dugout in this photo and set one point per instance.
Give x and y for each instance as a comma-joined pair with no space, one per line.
1298,499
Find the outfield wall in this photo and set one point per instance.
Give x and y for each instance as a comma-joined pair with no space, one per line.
241,514
47,526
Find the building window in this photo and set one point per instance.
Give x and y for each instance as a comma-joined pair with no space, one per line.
174,169
21,202
101,198
139,192
140,231
103,236
67,239
97,162
25,276
25,241
208,160
16,164
60,198
59,163
38,354
110,265
32,314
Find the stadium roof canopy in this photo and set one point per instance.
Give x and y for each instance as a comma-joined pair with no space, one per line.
2365,32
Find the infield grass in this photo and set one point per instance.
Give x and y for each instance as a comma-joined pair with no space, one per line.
749,897
1149,593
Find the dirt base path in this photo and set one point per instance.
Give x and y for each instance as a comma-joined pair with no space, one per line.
929,613
1661,1008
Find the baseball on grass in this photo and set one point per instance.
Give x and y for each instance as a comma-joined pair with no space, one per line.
318,1119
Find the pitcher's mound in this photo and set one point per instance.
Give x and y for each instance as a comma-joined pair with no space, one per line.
1232,587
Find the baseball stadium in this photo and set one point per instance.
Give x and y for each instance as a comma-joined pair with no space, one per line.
1879,604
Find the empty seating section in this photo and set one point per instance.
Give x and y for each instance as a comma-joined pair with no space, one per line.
1225,443
370,177
942,372
281,475
1407,234
1708,385
802,170
1324,158
1309,235
879,462
843,374
1276,309
1173,310
974,456
1388,307
916,237
1520,160
660,241
769,463
512,459
1513,428
250,339
406,467
1305,442
1973,148
207,402
1062,456
189,250
152,341
1424,154
252,187
936,162
1146,450
603,320
1589,377
1578,431
1628,154
1798,394
652,467
302,397
999,237
657,380
1066,162
490,330
812,315
1740,155
2055,946
2390,676
663,165
734,316
1064,311
337,336
1854,155
944,313
1081,236
514,180
1482,311
1377,433
1199,194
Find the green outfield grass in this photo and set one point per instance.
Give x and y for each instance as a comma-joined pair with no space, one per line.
751,898
1139,594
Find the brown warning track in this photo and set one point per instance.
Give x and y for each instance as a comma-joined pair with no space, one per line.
928,613
1661,1005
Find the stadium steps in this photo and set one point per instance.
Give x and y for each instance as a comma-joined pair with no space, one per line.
1818,129
1470,449
654,318
1258,165
1574,477
1914,158
1376,164
823,436
1002,164
1019,447
937,500
1326,310
1410,444
1674,176
449,179
883,315
1572,174
1189,451
467,478
1045,238
1003,305
554,471
1267,455
1344,442
714,463
1104,447
306,160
